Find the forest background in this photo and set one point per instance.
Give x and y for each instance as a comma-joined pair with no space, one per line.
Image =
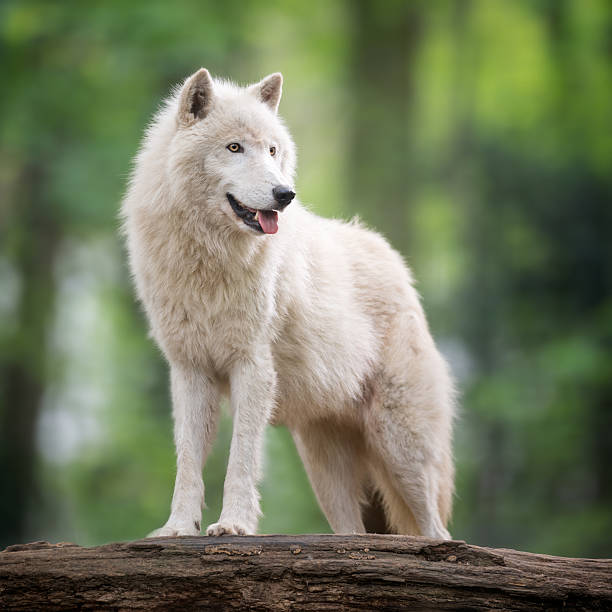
476,135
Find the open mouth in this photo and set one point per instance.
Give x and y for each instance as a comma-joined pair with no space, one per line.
264,221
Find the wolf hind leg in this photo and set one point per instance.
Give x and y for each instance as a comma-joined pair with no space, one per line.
398,515
410,493
409,427
410,476
332,461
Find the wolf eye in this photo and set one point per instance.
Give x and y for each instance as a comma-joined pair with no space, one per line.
272,151
234,147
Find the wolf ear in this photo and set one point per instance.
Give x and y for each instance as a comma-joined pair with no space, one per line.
196,97
269,90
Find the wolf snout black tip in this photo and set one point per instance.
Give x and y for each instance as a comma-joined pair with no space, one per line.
283,195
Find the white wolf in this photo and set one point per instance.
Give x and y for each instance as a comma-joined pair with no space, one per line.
302,321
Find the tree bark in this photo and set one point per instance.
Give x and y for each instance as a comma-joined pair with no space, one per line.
305,572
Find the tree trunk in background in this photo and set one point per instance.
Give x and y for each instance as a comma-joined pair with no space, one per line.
23,370
385,42
306,572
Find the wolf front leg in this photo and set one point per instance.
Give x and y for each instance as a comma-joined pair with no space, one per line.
195,405
253,384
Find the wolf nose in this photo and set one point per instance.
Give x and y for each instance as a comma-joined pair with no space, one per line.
283,195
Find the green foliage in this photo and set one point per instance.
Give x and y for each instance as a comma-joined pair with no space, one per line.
474,134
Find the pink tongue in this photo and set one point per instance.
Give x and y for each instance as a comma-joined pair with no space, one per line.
268,219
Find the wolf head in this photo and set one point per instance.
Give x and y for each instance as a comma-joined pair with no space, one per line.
230,155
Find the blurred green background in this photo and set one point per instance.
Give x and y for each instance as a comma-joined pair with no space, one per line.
476,135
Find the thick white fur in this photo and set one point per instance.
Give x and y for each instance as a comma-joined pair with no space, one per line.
316,327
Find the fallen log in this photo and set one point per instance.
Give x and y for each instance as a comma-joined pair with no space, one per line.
305,572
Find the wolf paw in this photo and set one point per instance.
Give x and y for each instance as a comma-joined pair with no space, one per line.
173,530
228,528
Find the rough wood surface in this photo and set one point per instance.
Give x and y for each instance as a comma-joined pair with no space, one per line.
307,572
